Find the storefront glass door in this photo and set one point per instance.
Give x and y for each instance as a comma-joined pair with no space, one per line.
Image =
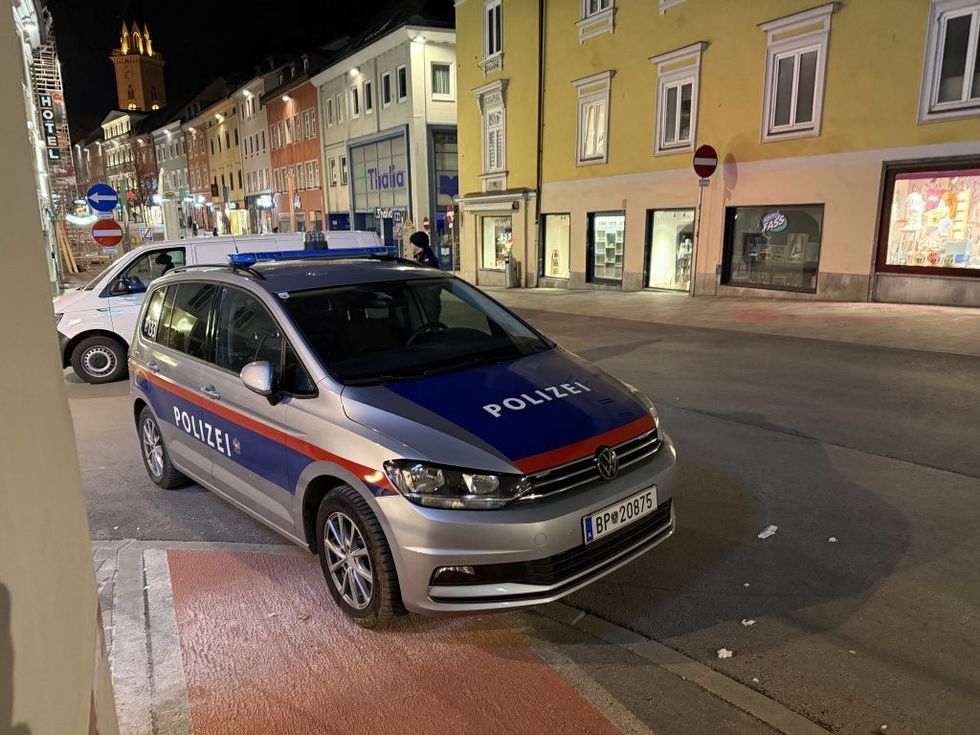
670,241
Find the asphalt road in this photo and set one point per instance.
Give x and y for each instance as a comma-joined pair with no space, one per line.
873,447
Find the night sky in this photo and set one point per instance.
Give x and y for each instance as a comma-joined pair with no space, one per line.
199,40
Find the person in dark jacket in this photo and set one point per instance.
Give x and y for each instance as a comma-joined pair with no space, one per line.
422,249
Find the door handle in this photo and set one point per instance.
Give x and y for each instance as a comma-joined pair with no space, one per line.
210,391
152,365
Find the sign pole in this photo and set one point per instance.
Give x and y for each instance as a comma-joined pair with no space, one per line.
705,163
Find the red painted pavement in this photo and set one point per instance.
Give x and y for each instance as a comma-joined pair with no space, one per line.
266,651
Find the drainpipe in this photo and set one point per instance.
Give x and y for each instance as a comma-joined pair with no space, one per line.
542,8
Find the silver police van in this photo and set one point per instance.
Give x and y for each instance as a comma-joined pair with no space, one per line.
437,452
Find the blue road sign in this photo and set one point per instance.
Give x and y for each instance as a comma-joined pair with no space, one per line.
102,197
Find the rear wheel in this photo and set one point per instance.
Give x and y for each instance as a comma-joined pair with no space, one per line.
99,360
154,453
356,559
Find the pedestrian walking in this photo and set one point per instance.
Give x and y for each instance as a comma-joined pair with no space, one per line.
422,249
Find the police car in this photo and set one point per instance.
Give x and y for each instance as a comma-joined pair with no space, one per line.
438,453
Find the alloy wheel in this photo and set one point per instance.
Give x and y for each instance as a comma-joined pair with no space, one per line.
152,447
348,560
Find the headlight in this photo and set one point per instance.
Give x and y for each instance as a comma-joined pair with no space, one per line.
446,487
57,317
641,397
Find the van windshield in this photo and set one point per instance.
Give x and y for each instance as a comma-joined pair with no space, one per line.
101,274
372,333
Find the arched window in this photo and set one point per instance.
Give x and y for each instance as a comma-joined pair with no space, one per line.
131,92
138,41
153,93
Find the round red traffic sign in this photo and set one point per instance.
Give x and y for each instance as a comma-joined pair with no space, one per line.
107,232
705,161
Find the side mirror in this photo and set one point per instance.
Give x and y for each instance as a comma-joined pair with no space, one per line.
119,287
257,377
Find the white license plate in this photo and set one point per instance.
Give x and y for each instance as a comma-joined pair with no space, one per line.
619,515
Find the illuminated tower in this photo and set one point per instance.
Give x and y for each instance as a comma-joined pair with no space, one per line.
139,71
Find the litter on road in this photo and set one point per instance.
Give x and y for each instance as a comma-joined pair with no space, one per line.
725,653
769,531
747,622
832,539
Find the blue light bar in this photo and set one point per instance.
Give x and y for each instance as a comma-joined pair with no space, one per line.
243,260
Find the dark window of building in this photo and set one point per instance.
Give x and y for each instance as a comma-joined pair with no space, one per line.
773,247
236,136
239,179
606,244
131,92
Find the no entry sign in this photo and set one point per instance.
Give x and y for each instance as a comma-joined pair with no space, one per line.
705,161
107,232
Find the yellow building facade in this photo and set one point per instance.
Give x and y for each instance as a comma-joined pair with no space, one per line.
848,139
225,166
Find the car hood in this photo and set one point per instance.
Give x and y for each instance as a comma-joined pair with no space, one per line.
69,300
530,413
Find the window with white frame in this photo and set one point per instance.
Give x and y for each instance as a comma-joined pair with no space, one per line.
796,63
309,123
598,17
300,177
401,79
355,102
593,118
340,108
368,97
316,171
951,81
678,75
329,111
386,89
343,170
442,86
493,121
667,4
492,28
333,172
311,175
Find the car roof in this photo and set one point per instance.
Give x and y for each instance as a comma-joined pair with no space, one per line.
310,273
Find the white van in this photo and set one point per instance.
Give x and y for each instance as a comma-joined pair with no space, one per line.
97,321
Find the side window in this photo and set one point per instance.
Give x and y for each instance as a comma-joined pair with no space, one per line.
187,328
150,326
295,379
245,332
152,265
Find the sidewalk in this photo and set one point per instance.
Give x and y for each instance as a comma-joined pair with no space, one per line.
903,326
221,638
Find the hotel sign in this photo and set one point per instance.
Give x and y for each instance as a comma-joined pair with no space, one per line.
46,103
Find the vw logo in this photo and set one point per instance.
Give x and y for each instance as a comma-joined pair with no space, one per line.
607,463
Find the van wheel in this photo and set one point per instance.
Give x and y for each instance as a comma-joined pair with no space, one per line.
154,453
99,360
356,559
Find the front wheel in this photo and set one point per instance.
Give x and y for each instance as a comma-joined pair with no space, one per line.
99,360
356,559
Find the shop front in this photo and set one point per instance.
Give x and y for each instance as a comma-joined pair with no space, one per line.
605,256
381,187
774,247
260,213
929,233
669,246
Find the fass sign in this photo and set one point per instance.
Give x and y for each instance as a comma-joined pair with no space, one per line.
774,221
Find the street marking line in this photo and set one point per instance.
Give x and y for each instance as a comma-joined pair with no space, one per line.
725,688
171,712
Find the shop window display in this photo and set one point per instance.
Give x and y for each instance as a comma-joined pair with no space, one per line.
557,231
671,233
935,220
607,233
498,239
773,247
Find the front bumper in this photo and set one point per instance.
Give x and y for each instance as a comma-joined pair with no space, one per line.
538,546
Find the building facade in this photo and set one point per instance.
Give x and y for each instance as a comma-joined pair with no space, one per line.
830,184
294,149
198,172
171,155
388,120
222,142
256,161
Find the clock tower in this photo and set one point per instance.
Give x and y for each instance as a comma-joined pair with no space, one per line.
139,70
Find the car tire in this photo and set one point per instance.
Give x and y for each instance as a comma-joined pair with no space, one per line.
345,558
156,459
99,360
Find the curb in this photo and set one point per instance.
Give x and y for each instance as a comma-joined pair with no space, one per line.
725,688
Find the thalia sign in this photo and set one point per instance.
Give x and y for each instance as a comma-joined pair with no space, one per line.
383,180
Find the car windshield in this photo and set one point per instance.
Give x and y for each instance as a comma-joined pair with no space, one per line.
395,330
95,281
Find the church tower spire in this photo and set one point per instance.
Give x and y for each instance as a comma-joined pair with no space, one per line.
139,70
